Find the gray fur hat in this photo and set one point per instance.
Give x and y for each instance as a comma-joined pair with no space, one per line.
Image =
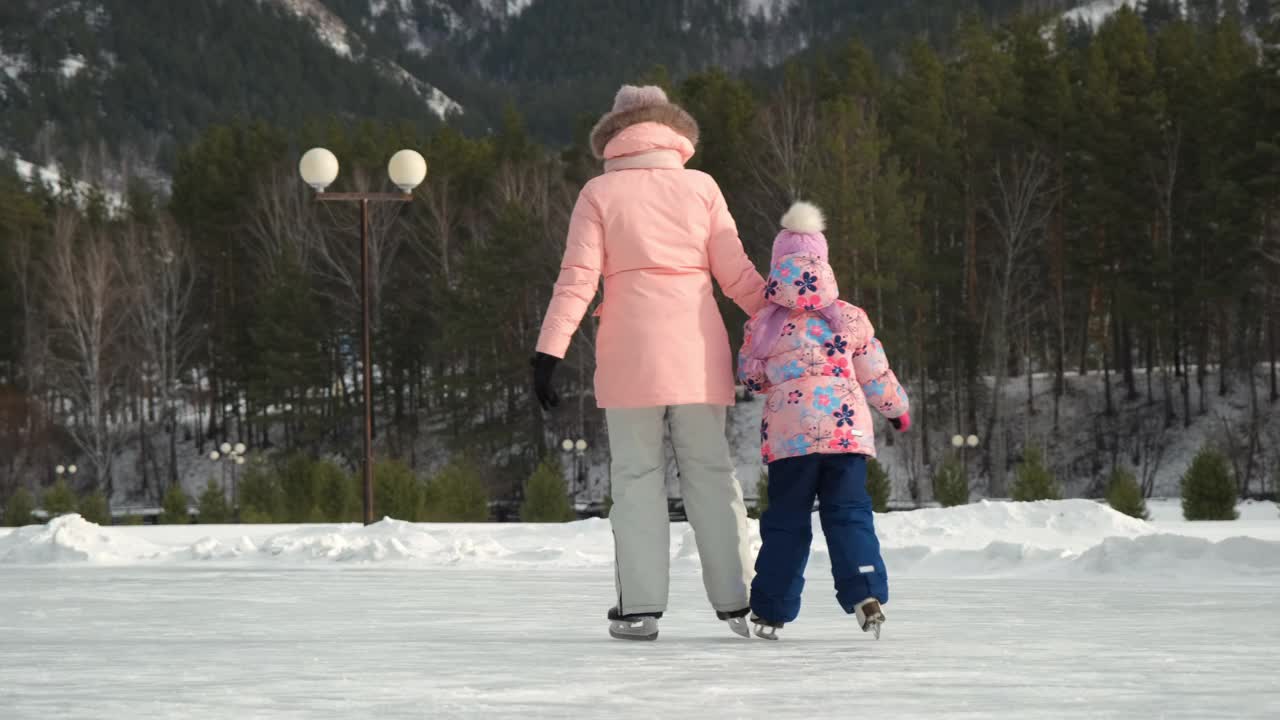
634,105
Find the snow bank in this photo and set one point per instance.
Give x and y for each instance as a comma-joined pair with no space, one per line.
71,538
1064,539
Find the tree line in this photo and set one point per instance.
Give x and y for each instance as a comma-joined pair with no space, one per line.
1034,204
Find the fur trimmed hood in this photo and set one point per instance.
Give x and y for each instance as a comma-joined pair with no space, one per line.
635,105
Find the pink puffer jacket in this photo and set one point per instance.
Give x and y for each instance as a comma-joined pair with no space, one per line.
658,233
817,384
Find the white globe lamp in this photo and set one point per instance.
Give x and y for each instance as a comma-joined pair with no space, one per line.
580,446
225,448
60,469
957,441
319,168
240,448
214,455
567,445
972,441
72,469
407,170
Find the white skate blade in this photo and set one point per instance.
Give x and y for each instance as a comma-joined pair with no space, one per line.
766,632
643,629
740,627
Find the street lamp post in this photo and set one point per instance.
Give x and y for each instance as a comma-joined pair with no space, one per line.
962,444
407,169
232,455
578,448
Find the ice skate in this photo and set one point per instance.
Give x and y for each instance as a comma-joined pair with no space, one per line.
766,629
737,621
870,616
633,627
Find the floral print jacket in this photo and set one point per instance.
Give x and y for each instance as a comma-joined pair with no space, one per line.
818,384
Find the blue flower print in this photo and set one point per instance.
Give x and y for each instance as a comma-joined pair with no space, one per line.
787,270
817,330
792,370
798,445
824,399
754,385
764,431
808,282
843,416
836,346
874,388
771,288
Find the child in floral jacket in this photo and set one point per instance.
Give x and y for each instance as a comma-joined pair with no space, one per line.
816,361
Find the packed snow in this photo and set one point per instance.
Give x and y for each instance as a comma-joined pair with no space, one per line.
767,9
1067,538
442,105
997,610
53,179
1096,12
71,66
328,26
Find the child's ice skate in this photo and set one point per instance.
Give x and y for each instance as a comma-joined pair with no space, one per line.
737,621
766,629
633,627
870,616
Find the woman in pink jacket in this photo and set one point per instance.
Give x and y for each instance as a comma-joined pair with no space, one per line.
658,234
816,360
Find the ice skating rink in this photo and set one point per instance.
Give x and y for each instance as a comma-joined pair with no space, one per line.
1044,610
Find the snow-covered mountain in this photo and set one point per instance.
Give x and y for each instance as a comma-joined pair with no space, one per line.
145,77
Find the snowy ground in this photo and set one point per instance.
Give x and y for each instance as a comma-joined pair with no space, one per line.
1047,610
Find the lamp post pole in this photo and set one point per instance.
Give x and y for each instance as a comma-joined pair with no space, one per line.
319,168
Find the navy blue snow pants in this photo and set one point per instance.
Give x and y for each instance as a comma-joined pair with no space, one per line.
839,482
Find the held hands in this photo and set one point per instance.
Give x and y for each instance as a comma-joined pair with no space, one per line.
901,423
544,366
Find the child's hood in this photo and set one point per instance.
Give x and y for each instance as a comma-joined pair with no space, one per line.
802,280
801,276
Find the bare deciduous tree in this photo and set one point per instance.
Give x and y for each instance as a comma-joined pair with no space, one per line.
161,272
787,130
284,226
337,252
1019,210
88,305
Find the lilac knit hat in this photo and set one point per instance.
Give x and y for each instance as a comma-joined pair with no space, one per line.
802,228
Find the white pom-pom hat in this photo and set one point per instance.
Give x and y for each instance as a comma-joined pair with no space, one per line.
802,229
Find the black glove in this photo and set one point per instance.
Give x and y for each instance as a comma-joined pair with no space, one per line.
544,366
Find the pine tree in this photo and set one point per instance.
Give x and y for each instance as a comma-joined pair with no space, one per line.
262,499
213,506
1035,481
339,499
93,507
545,497
1208,492
951,484
1259,12
762,496
174,510
396,492
59,499
17,511
1125,495
878,486
457,494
